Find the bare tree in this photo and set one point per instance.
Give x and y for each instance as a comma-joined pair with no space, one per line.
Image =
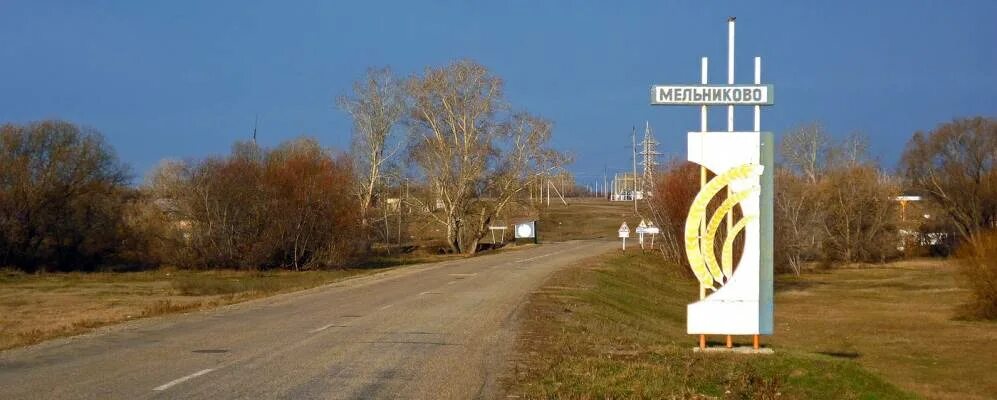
850,152
522,160
954,166
797,224
376,105
833,204
804,150
475,157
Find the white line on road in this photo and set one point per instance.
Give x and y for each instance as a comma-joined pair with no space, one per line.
535,258
472,274
181,380
545,255
451,282
386,307
320,329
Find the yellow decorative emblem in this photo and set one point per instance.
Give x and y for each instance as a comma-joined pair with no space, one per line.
700,250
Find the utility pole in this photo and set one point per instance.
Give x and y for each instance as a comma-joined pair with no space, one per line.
256,123
650,154
633,137
605,181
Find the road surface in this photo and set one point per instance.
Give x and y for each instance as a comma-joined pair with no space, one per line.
440,330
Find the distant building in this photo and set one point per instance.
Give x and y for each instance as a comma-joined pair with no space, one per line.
626,187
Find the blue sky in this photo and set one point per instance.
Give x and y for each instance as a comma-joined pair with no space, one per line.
185,79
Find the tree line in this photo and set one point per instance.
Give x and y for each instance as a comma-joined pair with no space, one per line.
464,154
834,205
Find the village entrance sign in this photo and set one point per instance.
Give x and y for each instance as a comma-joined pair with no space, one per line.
734,300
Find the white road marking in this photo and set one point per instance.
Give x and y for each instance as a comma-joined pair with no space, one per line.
386,307
535,258
473,274
320,329
181,380
545,255
451,282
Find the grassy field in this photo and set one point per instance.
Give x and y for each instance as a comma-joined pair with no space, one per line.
34,308
585,218
614,327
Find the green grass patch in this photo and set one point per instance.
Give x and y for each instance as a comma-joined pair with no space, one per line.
615,328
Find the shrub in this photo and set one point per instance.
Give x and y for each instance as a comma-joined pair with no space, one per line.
978,264
62,191
674,191
289,207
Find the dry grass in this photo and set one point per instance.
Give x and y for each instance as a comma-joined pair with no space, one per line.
614,327
585,218
34,308
896,320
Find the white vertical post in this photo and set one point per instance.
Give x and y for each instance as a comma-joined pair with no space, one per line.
730,70
705,62
758,81
548,192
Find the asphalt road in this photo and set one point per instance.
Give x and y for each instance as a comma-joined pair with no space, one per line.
436,331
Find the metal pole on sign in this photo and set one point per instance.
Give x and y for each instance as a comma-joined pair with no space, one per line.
730,117
730,109
758,81
704,66
730,70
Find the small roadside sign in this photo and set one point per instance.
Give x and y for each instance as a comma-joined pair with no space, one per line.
624,234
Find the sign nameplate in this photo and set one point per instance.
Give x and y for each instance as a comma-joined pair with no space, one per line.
713,95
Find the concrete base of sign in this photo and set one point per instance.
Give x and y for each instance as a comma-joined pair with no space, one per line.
738,350
740,317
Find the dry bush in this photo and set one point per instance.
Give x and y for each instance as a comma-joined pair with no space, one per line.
858,215
797,225
677,186
62,191
978,264
289,207
832,204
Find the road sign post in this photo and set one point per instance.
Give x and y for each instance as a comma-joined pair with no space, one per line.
624,233
653,231
527,230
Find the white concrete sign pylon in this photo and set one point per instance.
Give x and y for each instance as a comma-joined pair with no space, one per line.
742,162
